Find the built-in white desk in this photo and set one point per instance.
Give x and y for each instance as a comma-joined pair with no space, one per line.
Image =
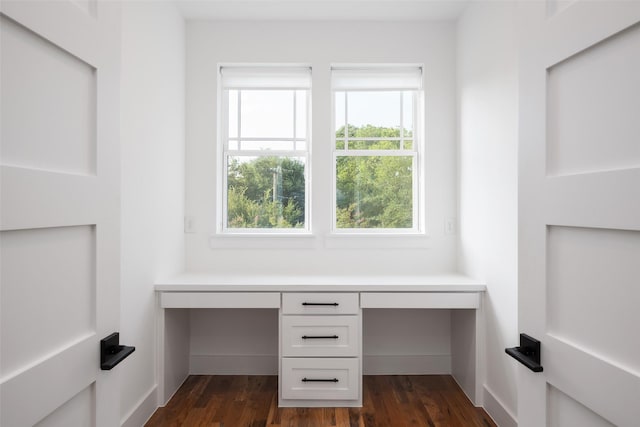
320,332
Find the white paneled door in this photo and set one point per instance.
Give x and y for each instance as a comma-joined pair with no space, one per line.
579,209
59,218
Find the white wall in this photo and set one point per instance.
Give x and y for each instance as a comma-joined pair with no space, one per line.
321,44
152,114
488,107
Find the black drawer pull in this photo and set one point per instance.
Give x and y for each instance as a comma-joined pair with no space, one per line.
528,353
112,353
335,304
319,337
320,380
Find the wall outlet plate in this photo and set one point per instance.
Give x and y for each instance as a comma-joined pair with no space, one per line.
450,226
189,224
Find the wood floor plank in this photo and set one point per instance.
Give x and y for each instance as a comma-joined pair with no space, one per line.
273,418
405,396
252,401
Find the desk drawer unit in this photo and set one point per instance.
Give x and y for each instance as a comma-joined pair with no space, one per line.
320,346
320,378
325,336
320,303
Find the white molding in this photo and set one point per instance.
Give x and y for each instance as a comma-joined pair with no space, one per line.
233,364
143,410
423,364
162,404
497,410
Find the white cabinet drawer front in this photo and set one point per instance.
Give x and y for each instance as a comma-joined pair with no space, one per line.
420,300
320,303
322,336
220,300
320,379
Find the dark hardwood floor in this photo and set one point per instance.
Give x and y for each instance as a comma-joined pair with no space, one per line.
252,401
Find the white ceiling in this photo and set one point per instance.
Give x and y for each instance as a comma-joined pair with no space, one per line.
319,10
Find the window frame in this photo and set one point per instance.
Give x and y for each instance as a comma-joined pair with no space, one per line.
224,153
415,152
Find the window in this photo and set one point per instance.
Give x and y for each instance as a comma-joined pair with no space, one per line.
265,149
376,149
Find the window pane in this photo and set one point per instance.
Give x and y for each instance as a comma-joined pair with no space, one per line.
301,114
339,104
407,113
267,113
265,192
374,113
374,192
233,114
408,144
340,144
370,131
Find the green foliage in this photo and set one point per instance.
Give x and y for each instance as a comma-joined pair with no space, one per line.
372,191
266,192
370,131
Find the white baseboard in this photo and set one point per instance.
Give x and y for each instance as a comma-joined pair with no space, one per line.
424,364
268,365
233,365
496,410
142,411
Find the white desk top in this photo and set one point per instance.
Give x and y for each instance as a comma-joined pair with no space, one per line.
189,282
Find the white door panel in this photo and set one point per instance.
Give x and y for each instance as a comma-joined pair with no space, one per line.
587,136
27,208
31,394
601,384
59,216
75,412
595,272
565,411
64,24
570,199
579,212
66,109
48,288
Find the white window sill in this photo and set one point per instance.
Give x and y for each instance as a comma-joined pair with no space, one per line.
413,240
